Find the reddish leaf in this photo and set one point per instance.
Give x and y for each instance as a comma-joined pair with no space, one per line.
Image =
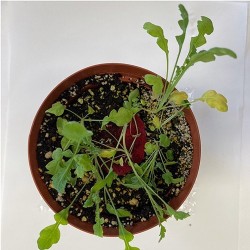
135,139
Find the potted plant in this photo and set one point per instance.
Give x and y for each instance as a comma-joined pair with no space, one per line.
114,149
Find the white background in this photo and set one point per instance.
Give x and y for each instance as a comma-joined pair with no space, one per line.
44,42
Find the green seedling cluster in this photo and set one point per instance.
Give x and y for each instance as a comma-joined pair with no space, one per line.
80,153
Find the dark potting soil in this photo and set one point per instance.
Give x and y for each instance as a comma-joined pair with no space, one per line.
104,93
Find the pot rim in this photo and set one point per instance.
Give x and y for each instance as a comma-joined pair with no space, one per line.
130,71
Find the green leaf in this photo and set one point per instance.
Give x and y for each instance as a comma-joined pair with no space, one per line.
222,52
202,56
56,109
156,31
65,143
205,27
62,216
178,97
156,121
107,153
97,227
179,215
170,155
150,148
127,237
57,154
110,178
60,124
162,232
83,163
75,131
183,25
48,236
120,118
133,95
155,82
164,140
62,176
169,179
138,169
98,186
215,100
53,166
131,181
120,211
67,153
123,213
209,55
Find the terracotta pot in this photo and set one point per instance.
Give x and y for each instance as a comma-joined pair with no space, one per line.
129,72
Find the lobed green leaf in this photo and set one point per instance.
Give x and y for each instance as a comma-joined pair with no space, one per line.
155,82
75,131
120,118
56,109
150,148
48,236
157,31
62,176
183,25
205,27
83,164
51,234
162,232
164,140
215,100
178,97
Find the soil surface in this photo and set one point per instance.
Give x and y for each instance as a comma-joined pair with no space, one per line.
104,93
